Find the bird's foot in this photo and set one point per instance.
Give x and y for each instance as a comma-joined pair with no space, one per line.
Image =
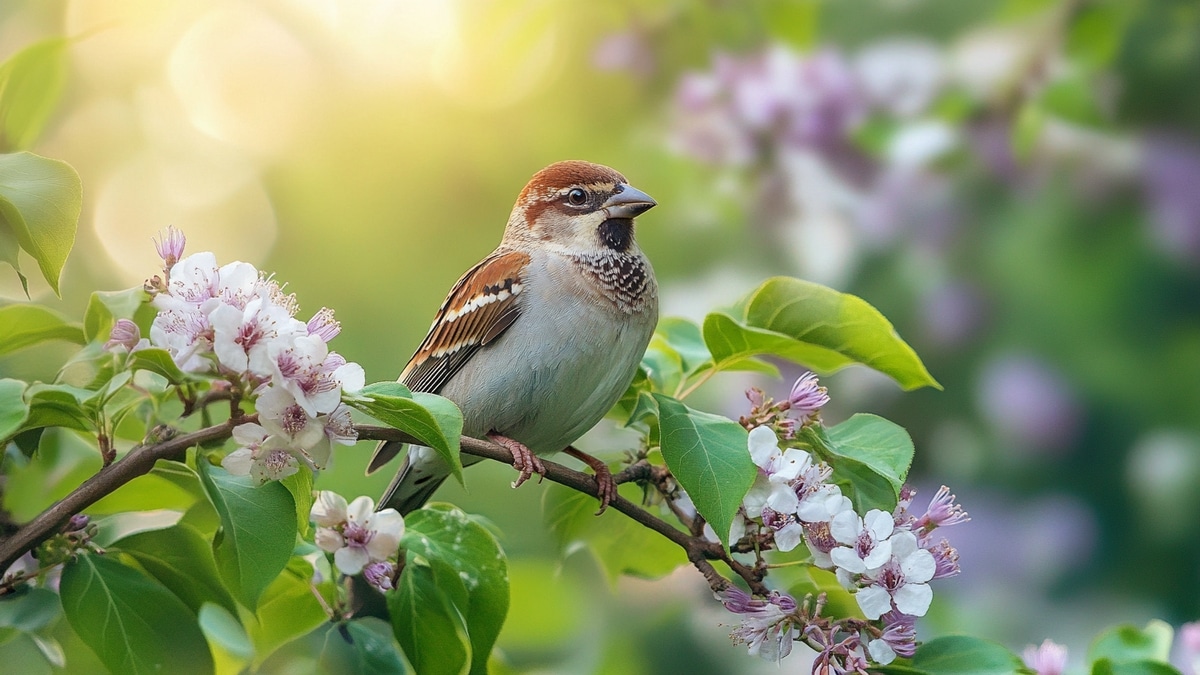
606,487
523,460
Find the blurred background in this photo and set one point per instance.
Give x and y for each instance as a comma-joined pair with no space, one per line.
1014,183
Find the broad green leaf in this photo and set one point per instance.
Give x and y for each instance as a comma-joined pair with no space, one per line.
687,340
813,325
1142,667
13,409
362,646
443,533
425,620
129,620
1096,32
40,200
111,529
31,82
58,405
25,325
105,307
258,530
962,655
1027,130
708,455
28,610
157,361
870,457
222,628
181,559
662,364
1072,99
433,420
287,610
619,544
300,484
1130,643
10,252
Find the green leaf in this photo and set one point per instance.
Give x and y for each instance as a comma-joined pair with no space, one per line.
181,559
1095,35
662,364
425,620
287,610
962,655
258,530
432,419
223,629
620,545
1027,129
157,361
13,409
113,528
363,646
300,485
105,307
25,325
129,620
1124,643
708,455
813,325
870,457
57,405
28,611
40,200
31,83
443,533
1071,98
1108,667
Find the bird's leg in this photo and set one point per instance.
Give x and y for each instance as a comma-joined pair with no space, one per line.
606,487
523,460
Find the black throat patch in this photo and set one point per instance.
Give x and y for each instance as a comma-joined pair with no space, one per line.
616,234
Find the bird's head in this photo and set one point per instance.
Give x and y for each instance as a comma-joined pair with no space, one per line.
578,206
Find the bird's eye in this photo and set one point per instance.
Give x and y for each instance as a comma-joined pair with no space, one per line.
577,197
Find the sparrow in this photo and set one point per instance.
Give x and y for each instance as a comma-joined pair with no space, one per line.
538,340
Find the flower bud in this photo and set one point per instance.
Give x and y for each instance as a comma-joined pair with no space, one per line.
125,335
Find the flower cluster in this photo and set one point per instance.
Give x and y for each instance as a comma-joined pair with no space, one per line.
886,559
234,323
360,539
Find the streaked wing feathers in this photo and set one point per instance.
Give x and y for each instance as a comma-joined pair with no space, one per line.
477,311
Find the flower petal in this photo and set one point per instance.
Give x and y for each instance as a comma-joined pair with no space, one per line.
359,511
764,446
919,566
874,602
913,599
329,509
351,560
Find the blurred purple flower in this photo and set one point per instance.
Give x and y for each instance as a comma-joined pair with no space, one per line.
1047,659
1028,403
1189,648
952,313
1171,173
625,51
747,105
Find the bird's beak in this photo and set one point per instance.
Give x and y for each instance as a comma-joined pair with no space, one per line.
627,203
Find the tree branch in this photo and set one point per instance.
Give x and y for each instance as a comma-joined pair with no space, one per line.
141,459
136,462
699,551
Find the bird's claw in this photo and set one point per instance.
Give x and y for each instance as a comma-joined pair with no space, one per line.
524,461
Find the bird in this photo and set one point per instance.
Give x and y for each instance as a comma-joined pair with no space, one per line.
539,339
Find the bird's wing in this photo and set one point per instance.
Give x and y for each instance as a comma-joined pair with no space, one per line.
480,307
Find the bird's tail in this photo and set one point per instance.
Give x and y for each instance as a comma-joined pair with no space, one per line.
419,476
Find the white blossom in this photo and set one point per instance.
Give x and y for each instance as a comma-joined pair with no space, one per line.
355,533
